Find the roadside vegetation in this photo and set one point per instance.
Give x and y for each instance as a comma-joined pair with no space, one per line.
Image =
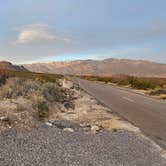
28,100
156,86
4,74
25,96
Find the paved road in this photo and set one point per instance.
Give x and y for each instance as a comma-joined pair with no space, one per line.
144,112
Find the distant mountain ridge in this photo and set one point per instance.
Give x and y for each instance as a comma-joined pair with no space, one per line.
105,67
4,65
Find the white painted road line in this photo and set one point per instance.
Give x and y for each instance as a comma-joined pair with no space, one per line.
128,99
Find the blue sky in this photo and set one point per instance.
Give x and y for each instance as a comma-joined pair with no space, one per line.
47,30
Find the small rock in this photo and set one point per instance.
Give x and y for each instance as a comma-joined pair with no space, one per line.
7,119
86,127
67,84
68,129
95,129
48,124
4,118
51,121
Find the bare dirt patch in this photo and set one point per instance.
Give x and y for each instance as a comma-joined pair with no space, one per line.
16,113
89,112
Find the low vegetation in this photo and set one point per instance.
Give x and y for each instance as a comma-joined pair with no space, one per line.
26,95
3,78
156,85
41,93
4,74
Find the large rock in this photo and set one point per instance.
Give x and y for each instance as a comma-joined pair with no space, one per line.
67,84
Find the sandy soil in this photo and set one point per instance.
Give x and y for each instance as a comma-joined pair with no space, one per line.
89,111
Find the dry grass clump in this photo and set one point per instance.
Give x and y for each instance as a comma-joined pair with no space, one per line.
40,93
18,87
158,91
31,75
163,97
40,105
27,88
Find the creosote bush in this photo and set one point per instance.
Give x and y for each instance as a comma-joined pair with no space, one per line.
53,93
3,79
141,84
40,105
41,93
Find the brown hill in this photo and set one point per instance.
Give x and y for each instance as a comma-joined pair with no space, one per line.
4,65
105,67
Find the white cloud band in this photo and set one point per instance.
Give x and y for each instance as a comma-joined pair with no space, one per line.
38,33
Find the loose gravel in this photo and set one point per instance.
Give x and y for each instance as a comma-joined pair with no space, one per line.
51,146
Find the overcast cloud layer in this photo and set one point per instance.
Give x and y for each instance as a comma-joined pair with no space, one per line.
34,31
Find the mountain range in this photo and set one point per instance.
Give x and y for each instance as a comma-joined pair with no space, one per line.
105,67
4,65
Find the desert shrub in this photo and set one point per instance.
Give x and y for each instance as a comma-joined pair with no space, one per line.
53,93
141,84
3,79
103,79
121,79
40,105
16,87
114,130
40,92
31,75
158,91
69,105
117,79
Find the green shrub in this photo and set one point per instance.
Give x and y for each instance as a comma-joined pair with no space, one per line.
40,105
3,79
141,84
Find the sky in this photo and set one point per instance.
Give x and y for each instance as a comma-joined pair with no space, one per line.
57,30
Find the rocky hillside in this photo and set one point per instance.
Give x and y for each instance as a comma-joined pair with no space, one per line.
4,65
105,67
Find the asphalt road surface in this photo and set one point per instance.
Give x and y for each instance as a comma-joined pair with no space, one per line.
142,111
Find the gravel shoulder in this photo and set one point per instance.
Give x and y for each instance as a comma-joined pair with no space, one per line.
50,146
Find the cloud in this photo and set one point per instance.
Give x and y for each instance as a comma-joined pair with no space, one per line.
37,42
36,33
